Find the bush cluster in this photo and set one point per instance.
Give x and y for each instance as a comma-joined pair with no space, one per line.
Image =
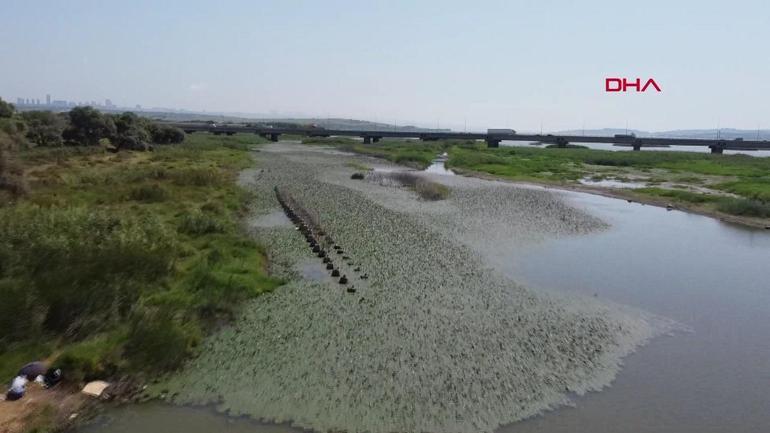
76,271
88,126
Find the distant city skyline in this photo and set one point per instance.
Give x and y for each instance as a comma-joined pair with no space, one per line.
516,64
60,103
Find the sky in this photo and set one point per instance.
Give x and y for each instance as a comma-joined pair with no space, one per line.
526,65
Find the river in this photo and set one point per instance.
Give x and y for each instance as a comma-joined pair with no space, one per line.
709,276
609,146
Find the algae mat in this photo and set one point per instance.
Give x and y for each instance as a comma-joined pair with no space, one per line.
434,341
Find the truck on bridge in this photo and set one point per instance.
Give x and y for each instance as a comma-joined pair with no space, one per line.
501,131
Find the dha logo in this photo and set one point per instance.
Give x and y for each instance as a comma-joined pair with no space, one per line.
623,84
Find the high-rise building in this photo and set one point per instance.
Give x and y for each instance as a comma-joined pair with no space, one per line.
108,103
48,99
19,101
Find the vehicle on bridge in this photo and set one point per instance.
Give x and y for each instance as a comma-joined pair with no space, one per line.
501,131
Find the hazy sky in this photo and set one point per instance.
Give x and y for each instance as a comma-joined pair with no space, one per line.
515,64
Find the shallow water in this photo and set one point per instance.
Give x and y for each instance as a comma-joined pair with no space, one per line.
609,146
708,275
438,166
612,183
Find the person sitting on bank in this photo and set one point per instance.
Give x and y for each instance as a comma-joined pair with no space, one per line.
18,388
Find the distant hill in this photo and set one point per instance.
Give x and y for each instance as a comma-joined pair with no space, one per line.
725,133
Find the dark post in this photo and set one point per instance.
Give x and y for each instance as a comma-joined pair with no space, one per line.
367,139
637,144
493,142
561,142
274,137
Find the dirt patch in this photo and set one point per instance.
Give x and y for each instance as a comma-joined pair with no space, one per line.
40,408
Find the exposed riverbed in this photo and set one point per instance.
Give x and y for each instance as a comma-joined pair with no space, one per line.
439,341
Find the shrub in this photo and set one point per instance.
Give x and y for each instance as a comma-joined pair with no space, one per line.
20,315
44,128
197,177
164,134
198,223
85,268
431,190
149,194
95,358
6,109
744,207
156,338
425,188
87,126
12,178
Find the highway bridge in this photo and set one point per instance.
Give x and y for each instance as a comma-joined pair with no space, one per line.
492,139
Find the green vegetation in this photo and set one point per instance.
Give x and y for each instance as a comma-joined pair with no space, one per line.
672,173
121,262
678,195
411,153
431,190
426,189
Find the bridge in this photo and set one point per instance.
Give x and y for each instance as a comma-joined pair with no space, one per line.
492,139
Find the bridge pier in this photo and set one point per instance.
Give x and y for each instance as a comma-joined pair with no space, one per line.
637,145
561,142
718,147
367,139
493,142
230,133
376,139
274,137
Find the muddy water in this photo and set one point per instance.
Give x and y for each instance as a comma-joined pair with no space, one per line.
707,275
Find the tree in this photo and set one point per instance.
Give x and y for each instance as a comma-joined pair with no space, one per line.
131,132
6,109
87,126
164,134
44,128
11,174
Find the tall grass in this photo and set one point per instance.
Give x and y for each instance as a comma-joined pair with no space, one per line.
121,262
425,188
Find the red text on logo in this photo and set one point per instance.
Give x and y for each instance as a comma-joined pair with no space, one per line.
623,84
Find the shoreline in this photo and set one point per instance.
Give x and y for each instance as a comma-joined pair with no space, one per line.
625,194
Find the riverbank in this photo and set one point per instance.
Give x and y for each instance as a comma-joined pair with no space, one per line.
116,265
432,339
633,195
734,188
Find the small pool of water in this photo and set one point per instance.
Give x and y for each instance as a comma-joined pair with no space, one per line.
612,183
438,166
